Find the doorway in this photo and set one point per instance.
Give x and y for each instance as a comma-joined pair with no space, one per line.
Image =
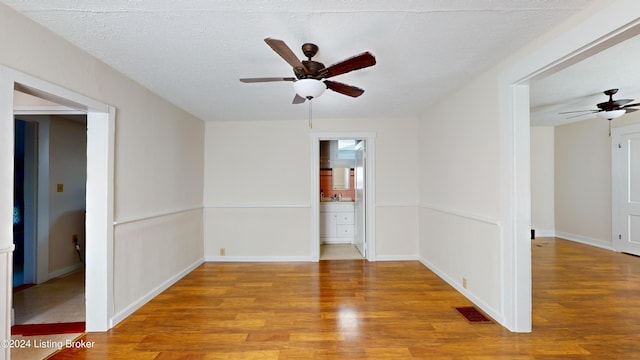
99,186
49,181
342,191
50,168
342,196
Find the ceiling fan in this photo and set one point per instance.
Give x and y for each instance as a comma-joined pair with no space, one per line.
610,109
309,81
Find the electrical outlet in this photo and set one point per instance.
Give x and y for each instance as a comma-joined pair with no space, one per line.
222,252
464,282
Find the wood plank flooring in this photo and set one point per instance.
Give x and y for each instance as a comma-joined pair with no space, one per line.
586,303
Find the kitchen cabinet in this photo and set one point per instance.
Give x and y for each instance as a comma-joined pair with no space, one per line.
337,222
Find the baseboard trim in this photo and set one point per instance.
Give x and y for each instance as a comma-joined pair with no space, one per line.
396,258
151,294
328,241
469,295
296,258
585,240
545,233
64,271
258,259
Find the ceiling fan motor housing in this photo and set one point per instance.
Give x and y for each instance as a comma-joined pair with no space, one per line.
309,50
313,67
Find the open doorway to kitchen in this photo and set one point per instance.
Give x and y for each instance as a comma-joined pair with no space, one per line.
342,196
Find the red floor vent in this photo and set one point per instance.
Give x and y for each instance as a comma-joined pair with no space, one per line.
473,315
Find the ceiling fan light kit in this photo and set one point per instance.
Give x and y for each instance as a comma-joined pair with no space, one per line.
309,88
612,114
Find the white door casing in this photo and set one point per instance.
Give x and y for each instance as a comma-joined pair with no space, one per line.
360,199
369,138
625,180
99,191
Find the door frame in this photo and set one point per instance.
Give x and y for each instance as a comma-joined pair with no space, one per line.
360,231
617,190
99,191
370,236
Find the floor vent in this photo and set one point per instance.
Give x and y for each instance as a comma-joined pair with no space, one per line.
473,315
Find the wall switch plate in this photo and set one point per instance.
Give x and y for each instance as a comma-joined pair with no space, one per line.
222,252
60,187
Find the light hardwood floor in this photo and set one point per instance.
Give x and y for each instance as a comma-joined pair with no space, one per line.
586,305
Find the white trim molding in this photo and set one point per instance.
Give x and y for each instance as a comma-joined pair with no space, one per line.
65,271
46,110
462,214
154,216
256,259
413,257
256,206
400,204
603,244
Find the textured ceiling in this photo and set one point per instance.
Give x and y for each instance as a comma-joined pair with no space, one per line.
193,52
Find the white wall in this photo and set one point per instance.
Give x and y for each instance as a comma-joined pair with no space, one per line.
583,182
158,160
258,186
460,191
543,180
67,166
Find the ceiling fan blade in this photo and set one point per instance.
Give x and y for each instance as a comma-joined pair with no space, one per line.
613,104
577,111
266,79
626,107
298,99
344,88
287,54
354,63
621,102
630,110
575,116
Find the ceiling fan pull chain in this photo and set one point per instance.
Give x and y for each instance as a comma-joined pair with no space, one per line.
310,123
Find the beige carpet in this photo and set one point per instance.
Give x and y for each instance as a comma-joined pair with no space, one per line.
339,252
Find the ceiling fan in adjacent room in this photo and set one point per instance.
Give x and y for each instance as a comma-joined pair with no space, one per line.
610,109
309,81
